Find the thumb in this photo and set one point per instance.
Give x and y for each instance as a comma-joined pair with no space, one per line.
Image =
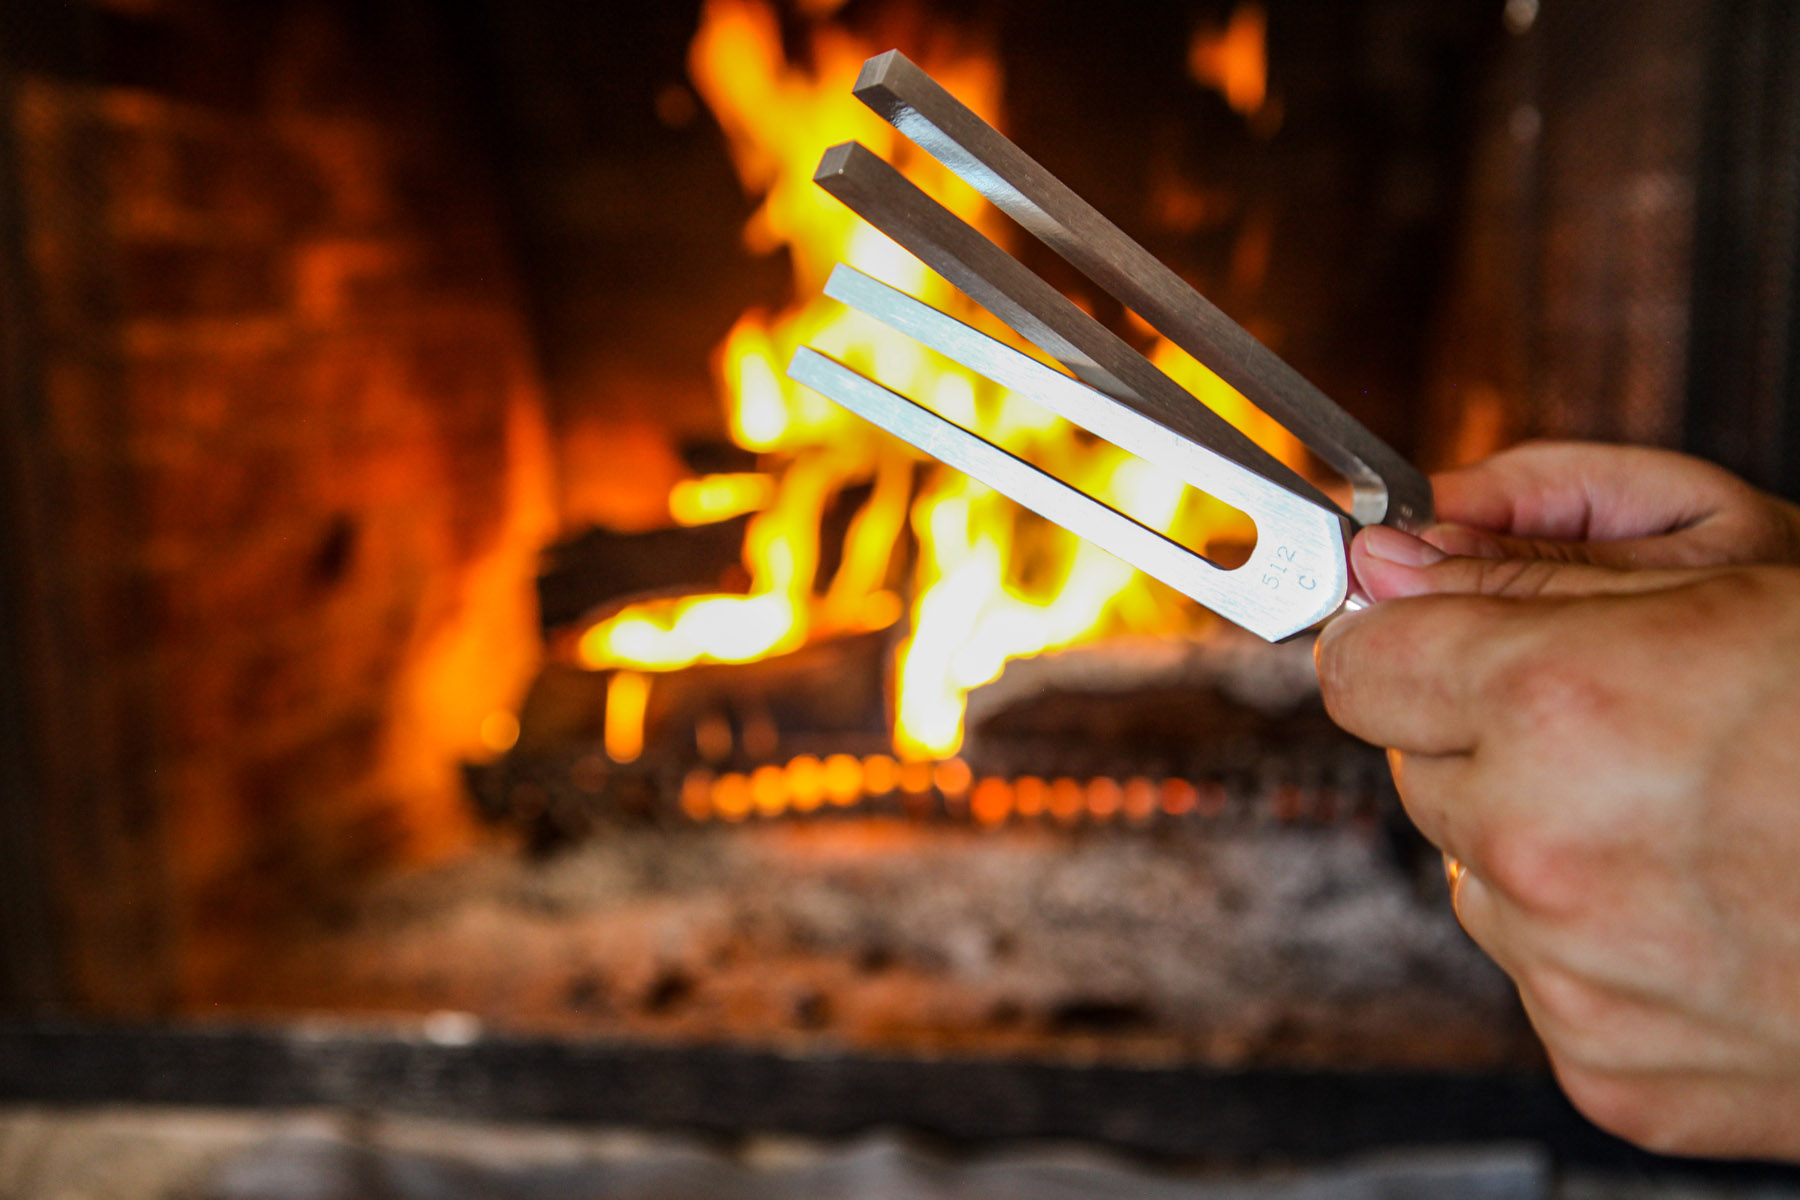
1390,564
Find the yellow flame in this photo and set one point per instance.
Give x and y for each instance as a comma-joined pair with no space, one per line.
627,697
780,118
988,583
719,497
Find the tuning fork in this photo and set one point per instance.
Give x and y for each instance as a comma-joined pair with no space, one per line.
1298,574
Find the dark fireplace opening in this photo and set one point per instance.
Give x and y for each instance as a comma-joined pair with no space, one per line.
434,613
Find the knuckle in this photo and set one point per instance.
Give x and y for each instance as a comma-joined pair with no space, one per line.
1575,1018
1356,659
1545,692
1767,536
1732,590
1728,612
1747,593
1620,1104
1538,870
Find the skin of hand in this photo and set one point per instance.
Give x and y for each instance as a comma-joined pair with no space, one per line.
1613,757
1613,506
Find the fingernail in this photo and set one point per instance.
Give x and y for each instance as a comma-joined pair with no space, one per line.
1401,549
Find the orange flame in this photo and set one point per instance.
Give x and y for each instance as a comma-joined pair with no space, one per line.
990,582
1234,60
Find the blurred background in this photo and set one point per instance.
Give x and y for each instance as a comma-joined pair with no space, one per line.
453,680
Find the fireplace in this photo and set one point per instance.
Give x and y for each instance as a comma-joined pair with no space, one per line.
440,616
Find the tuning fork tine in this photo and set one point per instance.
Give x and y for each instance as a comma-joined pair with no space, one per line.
1196,463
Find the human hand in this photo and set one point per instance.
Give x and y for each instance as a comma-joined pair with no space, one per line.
1616,506
1614,758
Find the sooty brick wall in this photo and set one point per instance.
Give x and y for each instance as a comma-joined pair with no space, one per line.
290,471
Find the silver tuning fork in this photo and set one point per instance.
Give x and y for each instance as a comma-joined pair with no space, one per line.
1298,574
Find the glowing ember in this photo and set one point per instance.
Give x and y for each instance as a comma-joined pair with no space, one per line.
915,777
1179,797
696,795
808,786
712,737
881,774
991,801
1140,799
843,779
731,796
989,582
806,782
1104,797
1066,800
499,731
952,778
769,790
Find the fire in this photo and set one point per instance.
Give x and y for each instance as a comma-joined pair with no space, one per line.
990,582
627,694
1234,60
719,497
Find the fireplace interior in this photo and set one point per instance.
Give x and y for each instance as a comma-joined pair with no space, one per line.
450,670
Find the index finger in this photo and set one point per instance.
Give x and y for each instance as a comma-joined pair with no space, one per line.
1408,674
1580,492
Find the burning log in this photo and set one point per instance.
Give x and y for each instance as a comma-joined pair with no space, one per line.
600,570
823,696
581,762
1135,735
1228,712
600,566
